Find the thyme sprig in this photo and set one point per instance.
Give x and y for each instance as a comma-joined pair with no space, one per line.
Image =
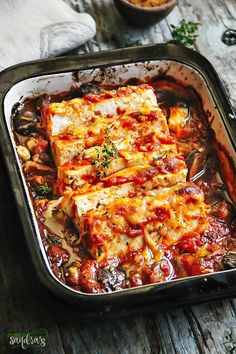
105,155
184,33
43,190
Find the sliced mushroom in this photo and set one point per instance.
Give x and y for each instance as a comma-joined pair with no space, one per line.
25,125
110,278
229,260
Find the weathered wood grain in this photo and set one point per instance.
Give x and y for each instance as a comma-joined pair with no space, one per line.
214,326
171,332
213,16
117,336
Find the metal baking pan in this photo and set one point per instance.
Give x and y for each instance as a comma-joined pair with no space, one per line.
114,67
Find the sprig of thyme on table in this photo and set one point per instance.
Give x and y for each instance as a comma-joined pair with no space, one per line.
184,33
105,155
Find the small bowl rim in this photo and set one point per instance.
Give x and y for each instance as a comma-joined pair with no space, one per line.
165,6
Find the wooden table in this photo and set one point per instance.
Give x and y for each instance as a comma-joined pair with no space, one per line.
206,328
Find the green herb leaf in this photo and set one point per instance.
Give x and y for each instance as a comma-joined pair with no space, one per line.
43,190
184,33
105,155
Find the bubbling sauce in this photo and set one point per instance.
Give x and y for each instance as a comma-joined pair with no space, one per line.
196,253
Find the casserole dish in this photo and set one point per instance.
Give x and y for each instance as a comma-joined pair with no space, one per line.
115,67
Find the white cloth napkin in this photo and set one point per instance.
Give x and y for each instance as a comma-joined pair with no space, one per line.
34,29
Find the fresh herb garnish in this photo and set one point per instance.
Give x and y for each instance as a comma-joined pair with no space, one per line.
105,155
43,190
184,33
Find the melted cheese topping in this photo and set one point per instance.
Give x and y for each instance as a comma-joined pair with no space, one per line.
66,147
162,171
69,116
140,203
156,220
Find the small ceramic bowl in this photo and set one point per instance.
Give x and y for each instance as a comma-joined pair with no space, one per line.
143,16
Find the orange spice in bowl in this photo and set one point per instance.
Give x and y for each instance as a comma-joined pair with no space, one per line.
148,3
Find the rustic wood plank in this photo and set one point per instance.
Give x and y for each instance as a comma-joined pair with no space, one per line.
171,332
124,336
214,326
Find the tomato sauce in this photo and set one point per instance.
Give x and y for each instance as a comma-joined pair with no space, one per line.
196,253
